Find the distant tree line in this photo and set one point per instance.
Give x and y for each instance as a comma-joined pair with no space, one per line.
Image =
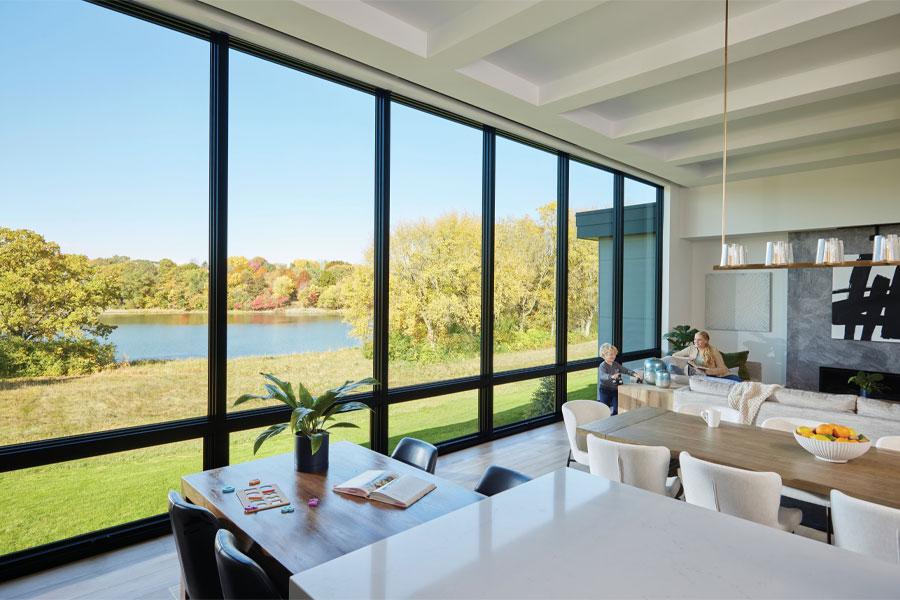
51,302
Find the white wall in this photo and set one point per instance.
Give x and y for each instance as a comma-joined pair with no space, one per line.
862,194
761,210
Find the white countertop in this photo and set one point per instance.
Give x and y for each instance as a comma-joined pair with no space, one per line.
573,535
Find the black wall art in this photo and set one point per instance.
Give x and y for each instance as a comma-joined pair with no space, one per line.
865,302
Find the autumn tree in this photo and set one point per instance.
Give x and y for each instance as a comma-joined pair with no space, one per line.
45,294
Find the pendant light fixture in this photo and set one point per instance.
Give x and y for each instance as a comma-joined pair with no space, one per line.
780,255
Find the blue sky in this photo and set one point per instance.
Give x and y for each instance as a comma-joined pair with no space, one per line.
104,120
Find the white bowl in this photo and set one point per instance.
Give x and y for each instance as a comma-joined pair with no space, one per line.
836,452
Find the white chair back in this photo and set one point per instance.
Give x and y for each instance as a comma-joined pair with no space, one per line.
579,412
866,527
889,442
745,494
728,414
788,424
645,467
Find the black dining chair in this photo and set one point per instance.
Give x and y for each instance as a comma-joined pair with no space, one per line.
242,578
499,479
417,453
195,529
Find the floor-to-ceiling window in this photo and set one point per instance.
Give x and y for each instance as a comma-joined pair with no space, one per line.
300,236
104,222
591,227
111,238
639,267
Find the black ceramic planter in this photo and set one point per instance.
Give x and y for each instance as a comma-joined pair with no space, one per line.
307,462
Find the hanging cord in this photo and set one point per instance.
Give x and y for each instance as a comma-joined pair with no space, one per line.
725,125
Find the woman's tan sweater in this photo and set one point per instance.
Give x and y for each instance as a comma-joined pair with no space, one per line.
715,366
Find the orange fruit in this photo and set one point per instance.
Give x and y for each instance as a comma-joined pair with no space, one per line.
846,440
825,429
841,431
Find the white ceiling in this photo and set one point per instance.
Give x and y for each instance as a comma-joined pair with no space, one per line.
813,83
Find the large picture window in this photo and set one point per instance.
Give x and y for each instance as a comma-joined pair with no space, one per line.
435,248
301,223
150,165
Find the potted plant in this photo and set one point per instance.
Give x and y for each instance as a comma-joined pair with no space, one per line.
868,383
680,338
311,418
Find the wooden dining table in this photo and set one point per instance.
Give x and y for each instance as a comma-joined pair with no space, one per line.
288,543
875,476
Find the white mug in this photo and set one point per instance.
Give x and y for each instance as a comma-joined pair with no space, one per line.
711,416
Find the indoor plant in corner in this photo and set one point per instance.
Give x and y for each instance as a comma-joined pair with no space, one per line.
680,337
868,383
311,418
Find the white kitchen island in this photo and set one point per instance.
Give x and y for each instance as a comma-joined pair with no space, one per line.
573,535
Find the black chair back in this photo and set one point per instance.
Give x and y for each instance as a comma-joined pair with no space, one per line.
242,578
499,479
195,533
417,453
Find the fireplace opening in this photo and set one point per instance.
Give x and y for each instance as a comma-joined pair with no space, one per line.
834,381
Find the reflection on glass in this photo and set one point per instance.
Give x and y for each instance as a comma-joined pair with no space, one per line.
241,442
639,268
515,402
301,222
590,259
71,498
524,256
434,420
435,247
103,218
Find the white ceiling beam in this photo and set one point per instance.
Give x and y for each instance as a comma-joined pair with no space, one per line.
492,26
870,149
758,32
373,21
831,81
855,121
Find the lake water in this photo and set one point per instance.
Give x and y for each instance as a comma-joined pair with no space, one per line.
185,335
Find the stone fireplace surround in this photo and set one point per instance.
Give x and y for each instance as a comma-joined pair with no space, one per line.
809,342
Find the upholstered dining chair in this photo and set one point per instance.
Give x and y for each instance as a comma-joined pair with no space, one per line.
866,527
579,412
645,467
416,453
729,415
242,578
499,479
888,442
789,424
745,494
194,529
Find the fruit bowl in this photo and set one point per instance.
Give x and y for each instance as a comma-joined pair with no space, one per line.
833,451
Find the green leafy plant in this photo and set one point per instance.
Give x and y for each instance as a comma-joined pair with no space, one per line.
868,382
310,417
680,337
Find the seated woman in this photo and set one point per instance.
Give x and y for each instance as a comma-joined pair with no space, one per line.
705,358
609,377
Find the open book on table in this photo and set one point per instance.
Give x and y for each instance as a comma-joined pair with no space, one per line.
386,486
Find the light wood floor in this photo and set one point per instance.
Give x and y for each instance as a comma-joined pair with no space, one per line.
150,569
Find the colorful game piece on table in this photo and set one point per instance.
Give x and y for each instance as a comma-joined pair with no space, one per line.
313,502
262,497
253,482
287,509
228,489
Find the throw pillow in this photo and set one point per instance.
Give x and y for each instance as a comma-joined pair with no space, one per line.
882,409
739,360
716,387
675,369
818,400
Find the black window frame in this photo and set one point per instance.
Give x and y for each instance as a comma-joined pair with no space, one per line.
216,426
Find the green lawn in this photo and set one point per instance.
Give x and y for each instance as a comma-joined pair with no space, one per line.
71,498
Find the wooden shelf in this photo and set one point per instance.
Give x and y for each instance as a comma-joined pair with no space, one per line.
810,265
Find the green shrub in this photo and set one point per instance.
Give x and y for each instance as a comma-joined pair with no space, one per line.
543,399
53,358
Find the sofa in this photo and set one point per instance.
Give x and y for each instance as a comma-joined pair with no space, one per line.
874,418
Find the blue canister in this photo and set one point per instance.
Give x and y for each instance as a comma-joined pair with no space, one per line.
663,379
650,377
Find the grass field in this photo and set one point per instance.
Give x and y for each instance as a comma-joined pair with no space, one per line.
80,496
